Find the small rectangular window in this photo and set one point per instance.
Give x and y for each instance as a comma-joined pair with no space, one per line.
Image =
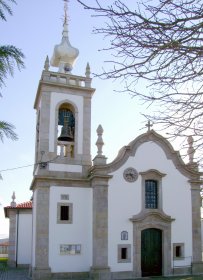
178,250
64,213
124,253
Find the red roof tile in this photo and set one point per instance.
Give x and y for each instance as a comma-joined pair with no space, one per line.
4,244
27,205
24,205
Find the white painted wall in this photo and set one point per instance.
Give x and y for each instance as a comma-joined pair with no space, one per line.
57,98
79,232
24,238
125,201
65,167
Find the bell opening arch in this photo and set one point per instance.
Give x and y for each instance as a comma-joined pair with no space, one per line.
66,129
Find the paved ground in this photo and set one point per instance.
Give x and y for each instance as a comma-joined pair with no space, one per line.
14,274
22,274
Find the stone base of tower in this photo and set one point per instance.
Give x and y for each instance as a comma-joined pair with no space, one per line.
41,273
100,273
197,268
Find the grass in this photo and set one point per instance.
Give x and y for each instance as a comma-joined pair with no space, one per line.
3,263
3,259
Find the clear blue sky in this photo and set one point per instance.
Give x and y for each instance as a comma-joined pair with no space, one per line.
35,28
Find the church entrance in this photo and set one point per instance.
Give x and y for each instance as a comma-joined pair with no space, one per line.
151,252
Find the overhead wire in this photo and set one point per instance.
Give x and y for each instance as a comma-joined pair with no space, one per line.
24,166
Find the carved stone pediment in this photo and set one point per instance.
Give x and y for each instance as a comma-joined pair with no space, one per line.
152,216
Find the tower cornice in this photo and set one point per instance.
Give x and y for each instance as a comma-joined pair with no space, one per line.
56,79
47,181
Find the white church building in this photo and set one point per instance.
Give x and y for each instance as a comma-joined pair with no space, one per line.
136,216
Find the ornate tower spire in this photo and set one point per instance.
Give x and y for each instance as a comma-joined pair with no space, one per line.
64,55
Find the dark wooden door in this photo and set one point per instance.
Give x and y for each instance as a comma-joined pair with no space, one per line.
151,252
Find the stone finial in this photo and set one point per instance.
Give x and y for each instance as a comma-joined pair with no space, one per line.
99,142
87,73
99,159
46,64
13,203
191,150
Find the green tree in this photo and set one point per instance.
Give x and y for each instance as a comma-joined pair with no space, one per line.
7,130
157,52
10,56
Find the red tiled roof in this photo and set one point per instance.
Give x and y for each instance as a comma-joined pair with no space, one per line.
24,205
27,205
4,244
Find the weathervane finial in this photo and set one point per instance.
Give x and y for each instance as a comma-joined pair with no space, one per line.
66,11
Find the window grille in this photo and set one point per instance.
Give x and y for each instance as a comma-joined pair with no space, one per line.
151,194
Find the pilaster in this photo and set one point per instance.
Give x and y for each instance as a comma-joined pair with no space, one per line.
41,269
12,238
87,131
196,221
100,269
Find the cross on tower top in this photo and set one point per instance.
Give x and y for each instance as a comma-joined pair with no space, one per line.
149,125
65,11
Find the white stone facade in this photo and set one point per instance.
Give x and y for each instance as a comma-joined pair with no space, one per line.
125,200
81,199
136,216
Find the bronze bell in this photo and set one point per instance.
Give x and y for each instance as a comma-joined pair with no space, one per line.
66,132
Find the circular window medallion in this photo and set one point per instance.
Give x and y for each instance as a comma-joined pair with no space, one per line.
130,174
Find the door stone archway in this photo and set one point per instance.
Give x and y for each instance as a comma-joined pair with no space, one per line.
157,220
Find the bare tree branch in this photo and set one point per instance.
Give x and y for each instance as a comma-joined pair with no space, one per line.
158,44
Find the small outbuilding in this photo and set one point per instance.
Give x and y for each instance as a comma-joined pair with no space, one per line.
20,233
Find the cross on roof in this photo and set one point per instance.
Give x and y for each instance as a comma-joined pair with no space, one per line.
149,125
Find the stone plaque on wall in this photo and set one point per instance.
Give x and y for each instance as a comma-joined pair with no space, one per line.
70,249
64,197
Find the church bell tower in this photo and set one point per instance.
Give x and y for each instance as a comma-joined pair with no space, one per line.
62,149
63,105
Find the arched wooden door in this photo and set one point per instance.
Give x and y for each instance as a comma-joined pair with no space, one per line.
151,252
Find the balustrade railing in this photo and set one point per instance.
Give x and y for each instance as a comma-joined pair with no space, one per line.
67,79
66,149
